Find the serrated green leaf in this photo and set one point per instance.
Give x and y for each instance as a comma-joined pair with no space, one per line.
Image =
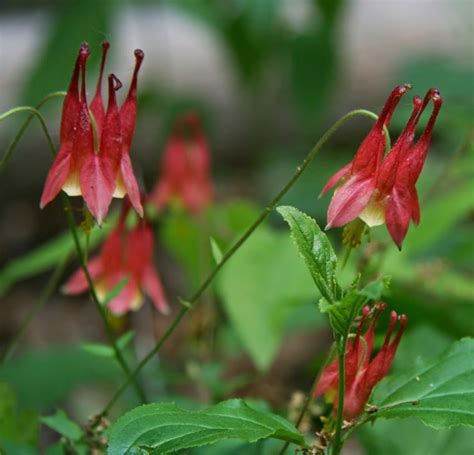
412,437
441,394
343,313
316,250
162,428
61,423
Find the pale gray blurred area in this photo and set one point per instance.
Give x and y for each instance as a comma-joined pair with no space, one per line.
183,54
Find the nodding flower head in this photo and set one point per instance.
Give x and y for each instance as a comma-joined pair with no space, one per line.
362,372
185,174
381,189
93,159
126,255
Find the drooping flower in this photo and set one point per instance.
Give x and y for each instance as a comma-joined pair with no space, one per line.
380,189
362,373
185,174
93,160
125,255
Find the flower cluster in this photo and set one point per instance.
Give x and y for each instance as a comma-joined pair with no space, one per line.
93,158
185,174
126,255
380,189
362,373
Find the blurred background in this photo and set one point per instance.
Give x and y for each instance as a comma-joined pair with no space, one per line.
267,77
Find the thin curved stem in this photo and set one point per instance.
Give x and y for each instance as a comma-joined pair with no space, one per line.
19,134
195,297
109,331
341,355
310,396
48,290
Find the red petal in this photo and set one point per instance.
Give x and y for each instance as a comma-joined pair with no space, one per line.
349,200
152,285
341,173
97,104
415,206
111,143
77,283
398,213
122,302
370,153
417,156
130,183
161,194
57,175
329,378
71,106
97,178
128,111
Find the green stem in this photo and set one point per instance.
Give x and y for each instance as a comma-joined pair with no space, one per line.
48,290
19,134
310,396
347,255
341,354
299,170
108,328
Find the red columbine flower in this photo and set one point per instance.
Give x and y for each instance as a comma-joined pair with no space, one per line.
124,255
98,168
185,167
382,190
362,374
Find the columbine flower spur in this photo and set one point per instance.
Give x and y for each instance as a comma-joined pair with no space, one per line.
362,373
380,189
185,174
93,159
125,255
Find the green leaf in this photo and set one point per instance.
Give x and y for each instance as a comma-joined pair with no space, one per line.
312,84
162,428
47,256
18,427
43,377
343,313
106,350
412,437
73,22
216,250
261,288
441,393
185,236
316,250
440,215
61,423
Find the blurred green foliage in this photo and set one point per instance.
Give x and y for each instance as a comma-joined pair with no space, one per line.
265,292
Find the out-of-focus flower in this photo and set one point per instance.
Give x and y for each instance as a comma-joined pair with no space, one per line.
125,255
185,174
382,190
93,158
362,374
